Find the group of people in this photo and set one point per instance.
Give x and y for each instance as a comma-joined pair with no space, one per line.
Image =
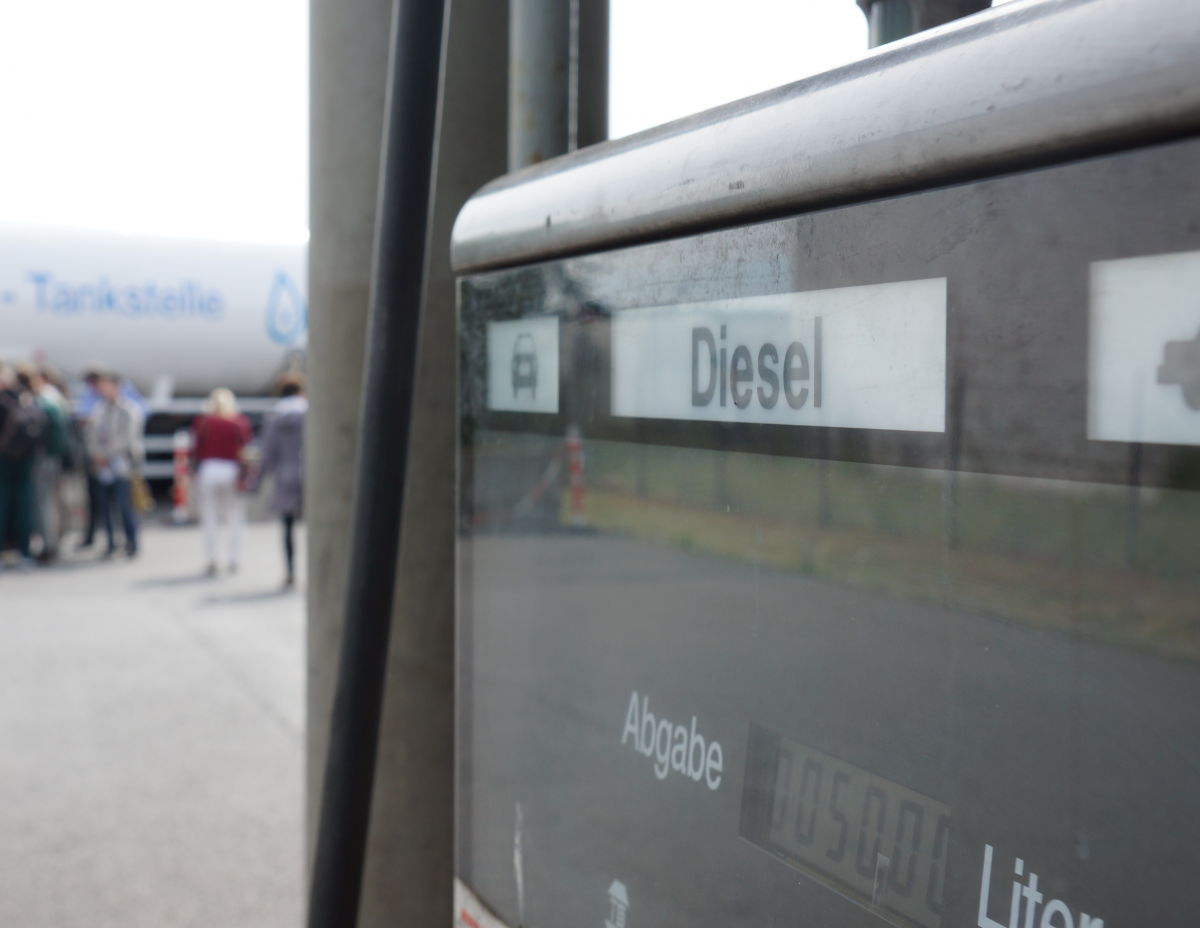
49,443
45,440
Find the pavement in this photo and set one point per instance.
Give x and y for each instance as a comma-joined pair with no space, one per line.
151,738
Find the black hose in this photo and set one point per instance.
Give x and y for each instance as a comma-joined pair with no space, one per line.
397,278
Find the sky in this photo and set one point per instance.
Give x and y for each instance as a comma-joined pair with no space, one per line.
190,117
670,58
163,117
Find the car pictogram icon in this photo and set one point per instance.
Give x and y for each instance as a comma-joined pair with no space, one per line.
1181,366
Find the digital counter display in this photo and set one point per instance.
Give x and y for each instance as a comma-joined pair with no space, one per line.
878,843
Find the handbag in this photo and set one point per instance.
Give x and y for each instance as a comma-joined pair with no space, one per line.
139,493
245,472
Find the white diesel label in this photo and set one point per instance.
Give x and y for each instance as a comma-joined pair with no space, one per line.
870,357
1144,356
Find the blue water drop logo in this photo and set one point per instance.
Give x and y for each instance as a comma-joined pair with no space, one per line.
287,316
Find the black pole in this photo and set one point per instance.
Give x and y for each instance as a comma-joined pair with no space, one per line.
397,281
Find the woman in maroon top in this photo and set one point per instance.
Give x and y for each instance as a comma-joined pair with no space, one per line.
219,438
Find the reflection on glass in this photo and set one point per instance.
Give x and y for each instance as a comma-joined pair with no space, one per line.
1109,563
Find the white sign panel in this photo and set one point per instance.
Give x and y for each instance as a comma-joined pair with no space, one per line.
870,357
1144,356
523,365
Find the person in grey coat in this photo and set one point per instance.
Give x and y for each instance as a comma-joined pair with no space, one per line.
114,443
283,456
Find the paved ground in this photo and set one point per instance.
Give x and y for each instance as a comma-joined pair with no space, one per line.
151,726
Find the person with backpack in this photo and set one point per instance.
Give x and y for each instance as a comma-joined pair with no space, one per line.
49,512
74,459
114,440
22,424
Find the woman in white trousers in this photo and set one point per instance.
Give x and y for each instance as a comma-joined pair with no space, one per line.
219,438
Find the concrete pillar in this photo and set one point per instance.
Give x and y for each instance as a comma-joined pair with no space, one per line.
409,865
348,77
